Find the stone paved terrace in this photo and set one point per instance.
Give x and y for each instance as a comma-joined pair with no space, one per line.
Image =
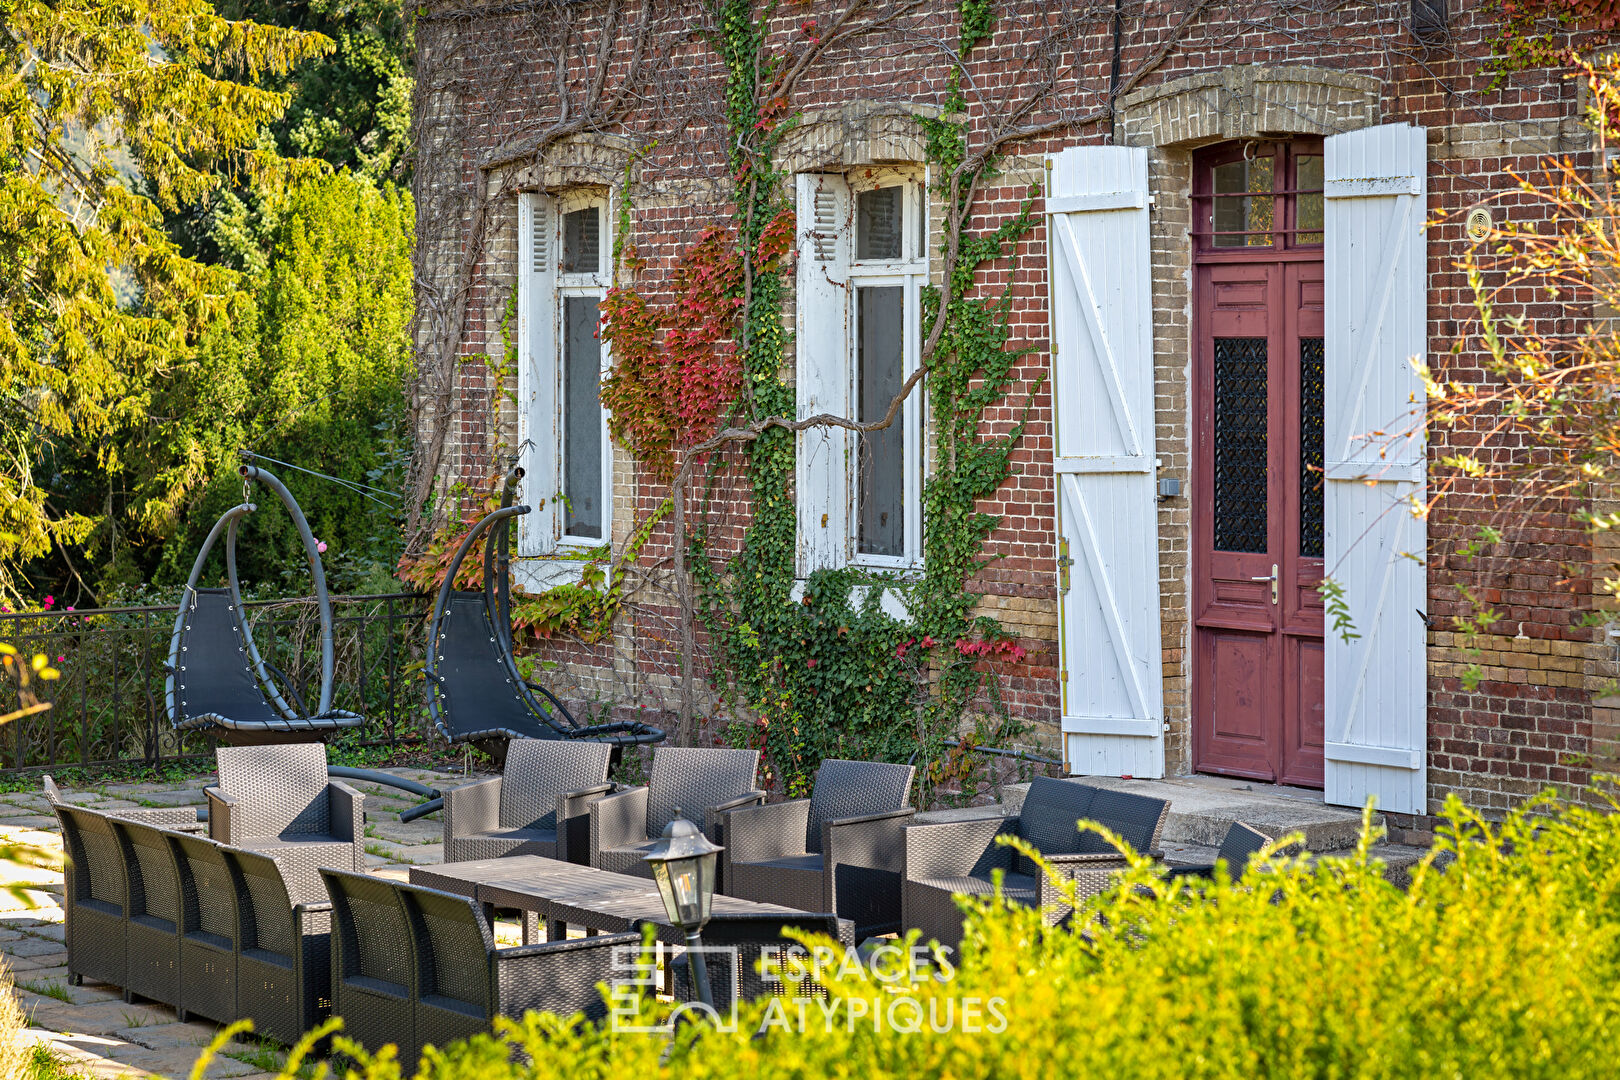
96,1035
90,1028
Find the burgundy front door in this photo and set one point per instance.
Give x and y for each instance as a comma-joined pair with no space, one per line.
1257,484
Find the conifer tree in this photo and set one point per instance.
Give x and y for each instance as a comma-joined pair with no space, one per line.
112,114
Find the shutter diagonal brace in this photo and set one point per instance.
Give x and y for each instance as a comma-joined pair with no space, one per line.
1347,719
1105,594
1099,338
1372,322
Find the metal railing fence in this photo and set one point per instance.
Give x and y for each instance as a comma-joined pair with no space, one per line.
107,706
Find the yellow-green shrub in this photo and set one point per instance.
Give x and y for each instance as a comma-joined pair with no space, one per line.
1502,963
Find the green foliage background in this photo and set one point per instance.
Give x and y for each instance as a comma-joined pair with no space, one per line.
313,373
352,107
200,251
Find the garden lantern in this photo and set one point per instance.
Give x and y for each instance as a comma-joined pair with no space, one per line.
683,865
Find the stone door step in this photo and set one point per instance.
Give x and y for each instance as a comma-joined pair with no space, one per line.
1202,808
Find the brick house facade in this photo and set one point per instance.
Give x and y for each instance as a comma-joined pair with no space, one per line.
1185,81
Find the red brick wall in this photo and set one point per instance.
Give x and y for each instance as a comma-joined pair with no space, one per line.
1528,723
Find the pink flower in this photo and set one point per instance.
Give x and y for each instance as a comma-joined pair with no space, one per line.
49,600
320,545
61,659
70,607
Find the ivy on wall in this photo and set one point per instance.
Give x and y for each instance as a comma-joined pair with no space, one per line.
1546,33
674,379
833,674
829,670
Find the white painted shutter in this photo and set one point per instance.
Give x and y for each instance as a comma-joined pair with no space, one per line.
821,343
538,414
1102,376
1376,316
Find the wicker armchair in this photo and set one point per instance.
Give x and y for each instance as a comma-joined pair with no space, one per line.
152,926
95,897
183,818
283,956
208,929
842,850
960,857
1242,843
540,806
463,981
372,966
745,940
703,783
416,967
280,800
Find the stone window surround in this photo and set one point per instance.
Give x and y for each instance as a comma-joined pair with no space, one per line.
584,162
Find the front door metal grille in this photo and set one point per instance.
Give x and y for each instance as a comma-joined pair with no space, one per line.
1240,444
1310,447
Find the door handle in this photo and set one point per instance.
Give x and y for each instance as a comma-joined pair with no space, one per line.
1271,577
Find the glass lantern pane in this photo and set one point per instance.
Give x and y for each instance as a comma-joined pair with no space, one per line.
706,885
666,892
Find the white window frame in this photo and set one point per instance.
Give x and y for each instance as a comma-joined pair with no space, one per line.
910,272
542,291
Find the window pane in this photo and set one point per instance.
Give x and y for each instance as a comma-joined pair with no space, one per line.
1243,215
1310,447
881,483
582,418
1240,444
878,220
1308,206
582,241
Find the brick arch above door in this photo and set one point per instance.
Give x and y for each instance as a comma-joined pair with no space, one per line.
1248,101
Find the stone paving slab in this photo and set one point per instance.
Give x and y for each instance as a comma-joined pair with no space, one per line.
420,831
175,797
30,821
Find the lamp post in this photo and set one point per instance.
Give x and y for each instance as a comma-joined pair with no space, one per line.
683,866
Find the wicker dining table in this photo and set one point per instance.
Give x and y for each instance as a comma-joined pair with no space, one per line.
565,894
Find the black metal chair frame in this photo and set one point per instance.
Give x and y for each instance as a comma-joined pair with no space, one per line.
282,721
287,721
531,718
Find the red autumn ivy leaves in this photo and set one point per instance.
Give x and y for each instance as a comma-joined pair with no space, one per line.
677,373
